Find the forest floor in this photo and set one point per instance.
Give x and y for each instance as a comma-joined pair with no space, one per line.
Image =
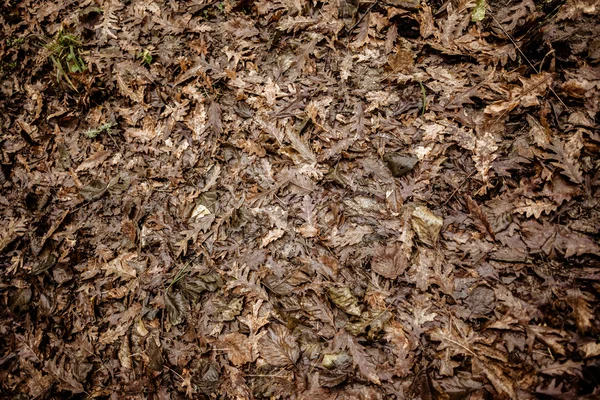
300,199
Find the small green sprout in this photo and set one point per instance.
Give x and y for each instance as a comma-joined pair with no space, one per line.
92,133
146,56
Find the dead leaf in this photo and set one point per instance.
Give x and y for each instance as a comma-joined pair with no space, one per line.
238,347
279,348
427,225
390,261
344,299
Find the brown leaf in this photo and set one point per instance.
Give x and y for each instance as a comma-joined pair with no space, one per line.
177,307
38,383
534,208
589,349
484,154
421,387
271,236
550,337
582,312
566,158
125,353
300,146
479,215
427,225
94,160
496,376
351,236
214,118
391,260
154,354
238,348
399,164
568,367
279,348
360,357
363,34
122,266
64,372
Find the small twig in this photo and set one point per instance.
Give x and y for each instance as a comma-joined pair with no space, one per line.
458,188
523,55
363,17
424,97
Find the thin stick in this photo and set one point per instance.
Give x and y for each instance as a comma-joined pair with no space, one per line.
363,17
458,187
524,56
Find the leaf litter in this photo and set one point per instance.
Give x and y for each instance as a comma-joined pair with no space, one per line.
275,199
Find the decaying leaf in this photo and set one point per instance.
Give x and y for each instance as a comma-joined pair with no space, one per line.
399,164
582,311
279,347
361,359
427,225
154,354
390,261
176,307
350,236
345,300
239,349
300,199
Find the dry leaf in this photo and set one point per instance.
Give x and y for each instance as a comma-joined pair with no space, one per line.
390,261
427,225
279,348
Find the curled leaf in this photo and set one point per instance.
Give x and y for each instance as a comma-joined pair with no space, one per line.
345,300
427,225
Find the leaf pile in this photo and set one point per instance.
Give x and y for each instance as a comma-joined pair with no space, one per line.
309,199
